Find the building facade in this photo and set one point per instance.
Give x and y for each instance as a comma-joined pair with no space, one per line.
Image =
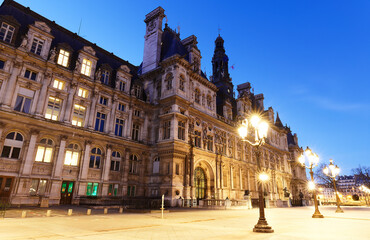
79,125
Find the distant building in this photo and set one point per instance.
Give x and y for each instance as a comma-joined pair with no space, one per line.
349,186
79,125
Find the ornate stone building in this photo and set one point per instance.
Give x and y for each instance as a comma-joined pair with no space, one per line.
81,125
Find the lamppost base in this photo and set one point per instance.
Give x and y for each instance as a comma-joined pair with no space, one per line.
339,210
263,227
317,215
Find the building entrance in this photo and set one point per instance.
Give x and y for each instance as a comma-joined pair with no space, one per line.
66,192
200,183
5,188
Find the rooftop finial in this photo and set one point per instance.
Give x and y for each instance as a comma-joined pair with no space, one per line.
219,30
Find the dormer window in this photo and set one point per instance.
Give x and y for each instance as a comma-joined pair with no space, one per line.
63,58
105,77
37,46
121,85
6,32
86,67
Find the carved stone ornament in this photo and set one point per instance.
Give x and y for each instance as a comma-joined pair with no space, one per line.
42,26
151,25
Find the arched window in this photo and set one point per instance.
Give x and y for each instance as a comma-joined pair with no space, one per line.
12,145
116,161
197,96
95,158
168,81
44,150
133,163
72,155
156,165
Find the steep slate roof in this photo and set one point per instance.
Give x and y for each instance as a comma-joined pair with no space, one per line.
278,122
290,139
26,17
171,44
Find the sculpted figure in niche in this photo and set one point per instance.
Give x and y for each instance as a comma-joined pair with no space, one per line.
24,41
53,53
78,64
98,75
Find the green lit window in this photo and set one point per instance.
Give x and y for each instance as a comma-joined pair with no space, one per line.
92,189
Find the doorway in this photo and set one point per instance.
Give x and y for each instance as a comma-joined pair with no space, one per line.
200,183
66,192
5,188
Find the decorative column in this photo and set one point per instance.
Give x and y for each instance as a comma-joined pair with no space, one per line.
69,105
85,162
92,109
2,126
59,161
125,170
106,167
43,93
28,163
111,119
10,87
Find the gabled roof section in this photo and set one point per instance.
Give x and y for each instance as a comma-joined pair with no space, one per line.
278,122
172,45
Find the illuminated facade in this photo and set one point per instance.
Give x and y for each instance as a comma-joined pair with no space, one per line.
80,125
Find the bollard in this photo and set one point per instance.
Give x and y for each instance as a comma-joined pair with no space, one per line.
48,213
88,212
105,210
24,214
121,210
69,212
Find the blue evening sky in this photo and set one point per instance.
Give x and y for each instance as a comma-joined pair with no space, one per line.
310,59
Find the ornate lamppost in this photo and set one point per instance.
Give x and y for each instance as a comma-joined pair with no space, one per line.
312,160
332,171
260,128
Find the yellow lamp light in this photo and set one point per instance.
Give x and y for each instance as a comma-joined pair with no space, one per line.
263,177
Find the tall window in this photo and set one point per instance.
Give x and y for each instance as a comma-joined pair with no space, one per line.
12,145
82,92
112,189
99,122
133,163
121,107
120,124
78,115
209,101
115,162
131,190
92,189
72,155
137,91
86,67
181,130
197,96
63,58
23,104
105,77
135,131
37,46
103,100
209,143
44,150
156,165
197,138
58,84
30,75
6,32
168,81
95,158
121,85
2,63
38,187
167,130
182,83
53,109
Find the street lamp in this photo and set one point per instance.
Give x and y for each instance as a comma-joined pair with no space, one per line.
260,128
332,171
313,160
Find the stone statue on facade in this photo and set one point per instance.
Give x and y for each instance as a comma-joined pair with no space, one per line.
53,53
24,41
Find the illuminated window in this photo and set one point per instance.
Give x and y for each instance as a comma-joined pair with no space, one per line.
95,158
58,84
197,96
38,187
112,189
6,32
63,58
86,67
83,92
37,46
116,161
72,155
53,109
44,150
92,189
133,163
78,115
100,121
12,145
